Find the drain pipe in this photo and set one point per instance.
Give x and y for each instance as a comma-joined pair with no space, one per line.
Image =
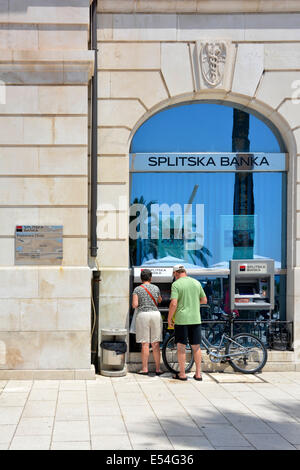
95,320
94,137
94,181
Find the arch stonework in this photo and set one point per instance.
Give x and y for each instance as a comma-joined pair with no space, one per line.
141,75
248,103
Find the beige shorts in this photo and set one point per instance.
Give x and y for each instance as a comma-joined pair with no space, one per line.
148,327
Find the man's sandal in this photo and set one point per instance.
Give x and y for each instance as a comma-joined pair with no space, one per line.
197,378
176,377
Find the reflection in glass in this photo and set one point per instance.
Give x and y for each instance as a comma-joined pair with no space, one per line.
216,289
218,230
199,127
243,200
221,215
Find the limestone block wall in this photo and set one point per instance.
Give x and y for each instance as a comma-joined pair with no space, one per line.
198,6
45,67
147,61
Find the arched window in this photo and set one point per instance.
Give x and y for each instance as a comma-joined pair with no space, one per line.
229,213
208,184
200,127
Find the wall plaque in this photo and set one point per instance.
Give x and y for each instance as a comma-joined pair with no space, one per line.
39,244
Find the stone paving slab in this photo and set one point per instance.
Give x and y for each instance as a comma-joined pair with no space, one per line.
248,423
71,431
69,412
191,443
10,414
111,443
71,445
13,399
6,433
235,378
224,435
39,409
269,442
35,427
156,413
30,443
41,394
290,431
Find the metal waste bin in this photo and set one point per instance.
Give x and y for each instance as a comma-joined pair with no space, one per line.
113,352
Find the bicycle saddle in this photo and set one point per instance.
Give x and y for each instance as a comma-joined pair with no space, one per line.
230,316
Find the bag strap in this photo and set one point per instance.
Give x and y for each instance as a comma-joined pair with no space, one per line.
149,293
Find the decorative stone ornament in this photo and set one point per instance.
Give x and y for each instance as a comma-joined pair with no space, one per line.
213,64
212,61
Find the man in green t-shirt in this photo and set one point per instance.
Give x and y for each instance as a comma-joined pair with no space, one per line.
184,312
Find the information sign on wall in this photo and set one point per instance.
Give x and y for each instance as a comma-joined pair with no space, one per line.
39,244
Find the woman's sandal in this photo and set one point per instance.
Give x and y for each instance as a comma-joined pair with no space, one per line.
142,373
159,373
179,378
197,378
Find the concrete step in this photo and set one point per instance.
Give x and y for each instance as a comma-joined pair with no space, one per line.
279,361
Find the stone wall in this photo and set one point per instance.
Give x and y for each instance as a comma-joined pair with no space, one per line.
147,61
198,6
45,67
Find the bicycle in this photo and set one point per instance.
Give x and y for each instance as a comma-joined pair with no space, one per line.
243,351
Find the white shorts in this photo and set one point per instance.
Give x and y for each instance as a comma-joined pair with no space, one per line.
148,327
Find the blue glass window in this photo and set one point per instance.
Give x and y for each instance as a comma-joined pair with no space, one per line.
214,193
199,127
230,215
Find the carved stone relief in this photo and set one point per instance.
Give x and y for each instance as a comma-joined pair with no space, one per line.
213,64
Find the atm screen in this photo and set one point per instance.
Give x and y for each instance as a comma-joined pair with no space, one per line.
245,289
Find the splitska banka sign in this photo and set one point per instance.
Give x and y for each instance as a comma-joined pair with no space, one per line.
197,162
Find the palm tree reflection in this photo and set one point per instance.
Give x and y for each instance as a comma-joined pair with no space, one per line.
157,245
243,203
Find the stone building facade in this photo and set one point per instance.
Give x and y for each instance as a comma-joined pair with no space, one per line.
146,63
45,72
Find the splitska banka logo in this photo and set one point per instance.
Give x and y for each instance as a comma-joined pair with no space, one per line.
236,161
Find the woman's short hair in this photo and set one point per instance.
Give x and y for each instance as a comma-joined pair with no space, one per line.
146,275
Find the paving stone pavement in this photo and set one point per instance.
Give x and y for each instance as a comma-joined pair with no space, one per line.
224,411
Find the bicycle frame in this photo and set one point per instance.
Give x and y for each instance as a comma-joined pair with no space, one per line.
209,347
236,350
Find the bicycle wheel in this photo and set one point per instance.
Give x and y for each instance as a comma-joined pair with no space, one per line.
251,353
169,356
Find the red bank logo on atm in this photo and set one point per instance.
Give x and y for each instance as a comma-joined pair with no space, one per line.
243,268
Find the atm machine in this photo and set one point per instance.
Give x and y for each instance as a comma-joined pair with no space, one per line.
252,284
163,278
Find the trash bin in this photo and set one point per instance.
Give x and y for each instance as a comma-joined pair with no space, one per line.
113,352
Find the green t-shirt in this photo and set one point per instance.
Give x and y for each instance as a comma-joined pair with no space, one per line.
188,293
